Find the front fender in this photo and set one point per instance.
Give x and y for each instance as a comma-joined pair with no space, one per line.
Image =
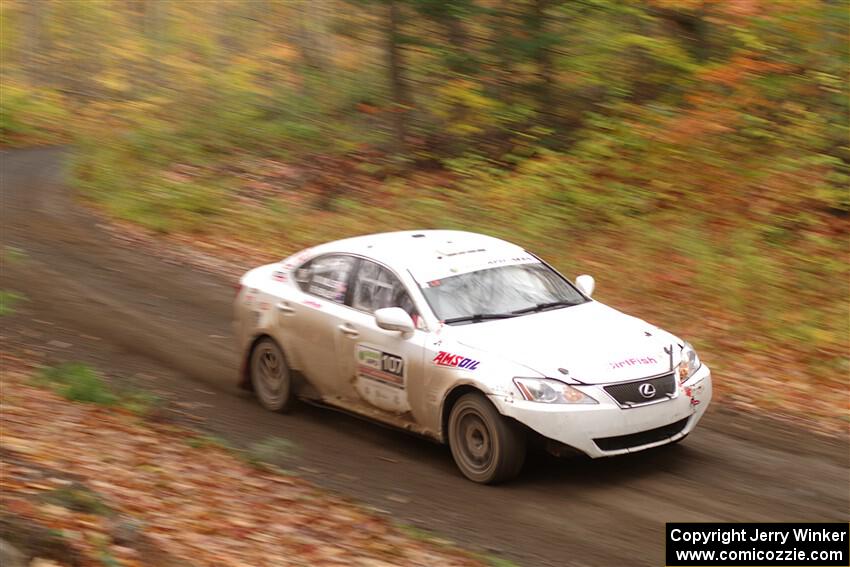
493,378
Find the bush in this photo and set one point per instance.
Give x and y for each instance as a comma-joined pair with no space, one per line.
31,116
8,299
79,383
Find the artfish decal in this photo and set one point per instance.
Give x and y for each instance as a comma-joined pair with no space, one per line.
633,362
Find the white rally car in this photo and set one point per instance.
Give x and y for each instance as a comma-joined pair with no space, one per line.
469,340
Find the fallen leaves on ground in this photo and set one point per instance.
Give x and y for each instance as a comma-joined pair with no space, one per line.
201,505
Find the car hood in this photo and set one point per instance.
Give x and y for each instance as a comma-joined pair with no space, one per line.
594,343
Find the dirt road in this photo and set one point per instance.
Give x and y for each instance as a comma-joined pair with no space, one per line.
167,327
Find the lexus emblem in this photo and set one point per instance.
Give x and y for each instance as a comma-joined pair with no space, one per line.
647,390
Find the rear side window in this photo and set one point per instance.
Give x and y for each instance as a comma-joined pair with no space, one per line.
375,287
326,277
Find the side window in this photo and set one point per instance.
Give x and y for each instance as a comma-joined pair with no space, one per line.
326,277
376,287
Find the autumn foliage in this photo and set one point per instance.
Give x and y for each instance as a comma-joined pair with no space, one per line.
692,154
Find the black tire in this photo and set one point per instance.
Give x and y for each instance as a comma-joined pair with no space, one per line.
487,447
270,376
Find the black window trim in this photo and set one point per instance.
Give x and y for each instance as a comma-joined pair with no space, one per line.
355,269
362,259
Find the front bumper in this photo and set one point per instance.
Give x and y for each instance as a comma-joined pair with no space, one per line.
606,429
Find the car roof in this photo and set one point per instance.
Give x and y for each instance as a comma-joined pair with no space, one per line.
427,251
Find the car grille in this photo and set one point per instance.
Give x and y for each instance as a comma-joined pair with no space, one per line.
641,438
628,393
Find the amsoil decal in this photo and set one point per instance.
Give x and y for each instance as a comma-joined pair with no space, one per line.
633,362
444,358
381,366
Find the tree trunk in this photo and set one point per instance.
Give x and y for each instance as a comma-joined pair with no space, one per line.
32,44
502,82
398,87
154,21
545,65
461,60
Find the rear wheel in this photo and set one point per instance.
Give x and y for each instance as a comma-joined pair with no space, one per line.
270,376
487,447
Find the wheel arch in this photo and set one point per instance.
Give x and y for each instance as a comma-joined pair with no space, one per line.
449,401
245,370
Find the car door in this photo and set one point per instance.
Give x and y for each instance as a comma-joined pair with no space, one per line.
313,321
385,367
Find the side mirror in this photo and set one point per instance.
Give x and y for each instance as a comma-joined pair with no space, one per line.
394,319
586,284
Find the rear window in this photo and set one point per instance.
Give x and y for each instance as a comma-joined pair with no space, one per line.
326,277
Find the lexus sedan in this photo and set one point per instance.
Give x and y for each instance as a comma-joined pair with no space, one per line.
469,340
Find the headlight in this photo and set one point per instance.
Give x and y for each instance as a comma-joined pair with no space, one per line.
549,391
690,362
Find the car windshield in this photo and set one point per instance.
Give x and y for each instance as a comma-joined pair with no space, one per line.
495,293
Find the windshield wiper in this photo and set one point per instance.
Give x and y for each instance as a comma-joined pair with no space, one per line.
478,317
544,306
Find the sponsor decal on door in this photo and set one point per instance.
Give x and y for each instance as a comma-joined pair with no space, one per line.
384,367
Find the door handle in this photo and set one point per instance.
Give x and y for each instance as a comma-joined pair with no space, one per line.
284,307
348,330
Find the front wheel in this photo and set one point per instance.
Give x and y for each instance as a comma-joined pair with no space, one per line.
270,376
487,447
